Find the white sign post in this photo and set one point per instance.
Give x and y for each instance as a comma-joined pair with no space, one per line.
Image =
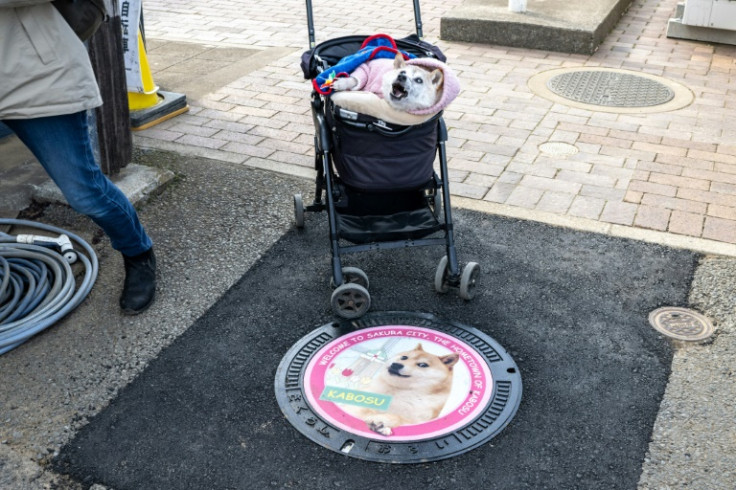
130,14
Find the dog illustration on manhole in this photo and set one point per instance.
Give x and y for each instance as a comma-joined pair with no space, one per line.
418,385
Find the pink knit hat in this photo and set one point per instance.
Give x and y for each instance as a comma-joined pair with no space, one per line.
451,84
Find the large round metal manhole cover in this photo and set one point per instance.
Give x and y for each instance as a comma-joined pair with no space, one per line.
398,387
613,90
681,323
608,88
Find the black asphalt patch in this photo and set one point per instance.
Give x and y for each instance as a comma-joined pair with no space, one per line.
570,307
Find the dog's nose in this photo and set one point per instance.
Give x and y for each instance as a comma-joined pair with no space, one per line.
401,77
395,366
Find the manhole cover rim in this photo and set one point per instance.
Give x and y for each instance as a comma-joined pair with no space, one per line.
707,327
505,374
683,96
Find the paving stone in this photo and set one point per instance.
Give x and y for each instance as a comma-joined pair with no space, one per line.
619,212
633,197
249,150
472,191
723,230
707,197
555,202
722,212
603,192
161,134
499,192
525,197
480,180
685,223
652,188
587,207
550,184
674,203
651,217
201,141
586,178
710,175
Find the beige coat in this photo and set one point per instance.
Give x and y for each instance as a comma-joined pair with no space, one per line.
44,68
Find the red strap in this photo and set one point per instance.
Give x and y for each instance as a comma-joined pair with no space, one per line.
386,48
378,36
319,90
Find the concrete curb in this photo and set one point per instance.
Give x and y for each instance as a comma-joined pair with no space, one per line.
136,181
555,25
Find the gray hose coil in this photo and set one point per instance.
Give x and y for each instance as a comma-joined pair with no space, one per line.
37,286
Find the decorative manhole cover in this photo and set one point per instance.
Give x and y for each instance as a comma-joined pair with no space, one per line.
558,148
681,323
609,88
398,387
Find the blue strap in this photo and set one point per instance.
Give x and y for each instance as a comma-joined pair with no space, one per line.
378,46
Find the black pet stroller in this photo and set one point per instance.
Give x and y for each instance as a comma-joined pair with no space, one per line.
377,180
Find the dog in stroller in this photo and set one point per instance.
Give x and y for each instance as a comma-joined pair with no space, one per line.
404,87
373,201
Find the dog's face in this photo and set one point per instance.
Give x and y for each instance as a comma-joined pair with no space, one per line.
410,87
417,369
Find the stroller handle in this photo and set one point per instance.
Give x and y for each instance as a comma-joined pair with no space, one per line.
310,22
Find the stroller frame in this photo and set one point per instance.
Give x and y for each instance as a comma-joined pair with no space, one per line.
350,298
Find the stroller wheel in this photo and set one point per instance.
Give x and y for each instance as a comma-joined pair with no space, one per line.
437,209
440,277
298,211
469,280
352,275
435,204
350,301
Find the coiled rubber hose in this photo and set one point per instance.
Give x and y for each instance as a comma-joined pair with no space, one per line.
37,286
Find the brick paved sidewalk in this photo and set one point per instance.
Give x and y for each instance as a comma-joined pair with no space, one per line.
668,176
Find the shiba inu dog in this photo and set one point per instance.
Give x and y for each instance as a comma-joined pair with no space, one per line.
419,384
406,87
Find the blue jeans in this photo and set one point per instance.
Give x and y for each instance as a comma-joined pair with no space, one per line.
62,145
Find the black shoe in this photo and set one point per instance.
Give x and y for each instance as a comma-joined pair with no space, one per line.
140,283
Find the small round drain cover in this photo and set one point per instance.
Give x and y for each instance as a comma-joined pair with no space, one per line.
609,88
681,323
558,148
398,387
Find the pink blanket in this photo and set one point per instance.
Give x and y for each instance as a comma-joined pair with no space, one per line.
370,77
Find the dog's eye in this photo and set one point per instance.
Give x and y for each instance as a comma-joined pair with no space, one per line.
418,80
404,358
423,365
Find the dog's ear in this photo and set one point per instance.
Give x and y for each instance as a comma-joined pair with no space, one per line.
419,347
450,360
437,77
399,61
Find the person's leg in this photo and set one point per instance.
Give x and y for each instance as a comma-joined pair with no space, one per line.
62,146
